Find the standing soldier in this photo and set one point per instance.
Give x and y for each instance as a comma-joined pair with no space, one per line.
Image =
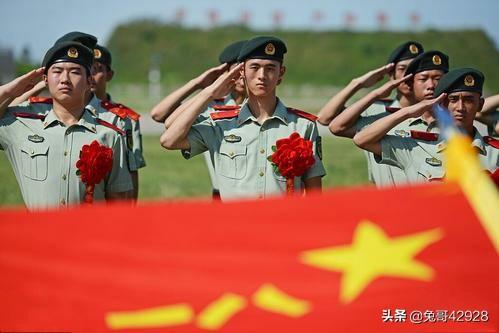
240,141
374,106
44,149
420,154
163,111
102,73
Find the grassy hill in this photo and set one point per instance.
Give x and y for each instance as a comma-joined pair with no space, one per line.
315,58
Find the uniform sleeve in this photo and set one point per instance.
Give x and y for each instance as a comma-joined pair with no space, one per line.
137,150
119,179
316,170
5,125
201,138
396,151
364,121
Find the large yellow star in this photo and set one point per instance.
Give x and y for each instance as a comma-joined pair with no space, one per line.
371,255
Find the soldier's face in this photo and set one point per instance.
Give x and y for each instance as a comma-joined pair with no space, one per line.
262,76
424,83
399,72
463,106
67,81
101,75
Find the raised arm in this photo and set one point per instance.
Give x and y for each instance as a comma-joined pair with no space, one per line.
17,87
370,137
171,102
175,137
343,124
337,103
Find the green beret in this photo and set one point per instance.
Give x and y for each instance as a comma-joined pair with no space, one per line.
408,50
80,37
461,79
102,55
231,52
263,47
427,61
68,52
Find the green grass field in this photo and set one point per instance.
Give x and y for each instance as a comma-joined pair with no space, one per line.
167,175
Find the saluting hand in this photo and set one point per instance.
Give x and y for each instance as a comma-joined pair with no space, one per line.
418,109
386,89
372,77
23,83
225,82
209,76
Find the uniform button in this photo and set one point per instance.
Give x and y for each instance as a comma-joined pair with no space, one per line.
66,153
231,154
63,177
63,201
32,151
261,173
262,151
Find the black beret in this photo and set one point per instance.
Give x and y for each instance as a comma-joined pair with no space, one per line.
427,61
461,79
231,52
263,47
408,50
81,37
102,55
68,52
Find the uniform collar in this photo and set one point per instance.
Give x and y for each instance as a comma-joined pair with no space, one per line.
93,105
280,113
87,120
477,141
419,120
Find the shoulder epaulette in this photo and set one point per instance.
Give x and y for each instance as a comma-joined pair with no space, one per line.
111,126
29,115
44,100
303,114
425,136
491,141
120,110
225,107
391,109
385,100
224,114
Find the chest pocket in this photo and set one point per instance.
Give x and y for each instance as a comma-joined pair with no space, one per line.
231,161
34,160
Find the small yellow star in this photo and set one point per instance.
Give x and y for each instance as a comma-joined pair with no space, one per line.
371,255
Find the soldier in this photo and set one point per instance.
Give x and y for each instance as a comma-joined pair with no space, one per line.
43,149
163,111
421,76
240,141
420,154
117,113
399,59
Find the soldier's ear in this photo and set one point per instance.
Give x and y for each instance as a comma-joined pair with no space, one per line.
480,106
282,71
45,79
109,75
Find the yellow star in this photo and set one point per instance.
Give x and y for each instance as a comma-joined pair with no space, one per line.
373,254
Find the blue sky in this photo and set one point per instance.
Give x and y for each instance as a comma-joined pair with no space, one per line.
37,24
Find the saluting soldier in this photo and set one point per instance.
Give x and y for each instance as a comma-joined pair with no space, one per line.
43,148
102,74
420,154
240,141
373,106
163,110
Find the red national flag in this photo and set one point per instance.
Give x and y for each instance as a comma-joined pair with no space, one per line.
360,260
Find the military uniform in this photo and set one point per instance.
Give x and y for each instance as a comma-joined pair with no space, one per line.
420,154
239,147
383,174
43,154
